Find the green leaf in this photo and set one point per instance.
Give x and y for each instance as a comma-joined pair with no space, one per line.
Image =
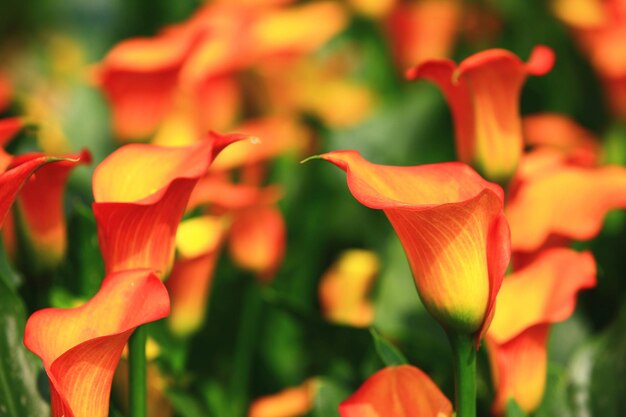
185,404
11,278
388,353
606,388
19,396
514,410
329,395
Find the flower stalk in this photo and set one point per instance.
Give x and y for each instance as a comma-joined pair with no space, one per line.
137,373
464,362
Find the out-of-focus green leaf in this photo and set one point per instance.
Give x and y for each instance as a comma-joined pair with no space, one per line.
329,395
84,259
388,353
185,404
608,373
7,273
19,396
514,410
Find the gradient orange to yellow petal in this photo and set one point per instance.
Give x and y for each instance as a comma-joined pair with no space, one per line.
80,347
399,391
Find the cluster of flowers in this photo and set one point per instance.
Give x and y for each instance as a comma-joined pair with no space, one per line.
459,230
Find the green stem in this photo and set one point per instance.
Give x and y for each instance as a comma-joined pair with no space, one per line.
464,354
137,376
246,346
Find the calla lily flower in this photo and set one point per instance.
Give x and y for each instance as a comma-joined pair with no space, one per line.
198,242
599,27
222,195
563,136
291,402
14,172
188,69
80,347
423,30
344,288
41,208
451,224
257,240
275,136
483,93
9,128
140,193
530,299
541,207
398,391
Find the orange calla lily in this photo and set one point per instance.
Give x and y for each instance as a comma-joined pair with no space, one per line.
483,93
14,172
344,288
198,241
257,240
451,224
41,209
140,193
218,192
6,92
398,391
569,202
423,30
276,135
600,28
562,135
80,347
139,78
519,368
530,299
291,402
9,128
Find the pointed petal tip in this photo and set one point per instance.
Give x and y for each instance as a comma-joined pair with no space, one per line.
541,60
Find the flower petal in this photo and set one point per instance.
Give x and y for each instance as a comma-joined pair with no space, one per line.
291,402
13,179
257,240
141,192
9,128
344,288
542,292
569,202
398,391
139,78
424,30
483,94
81,347
451,225
198,241
519,367
41,208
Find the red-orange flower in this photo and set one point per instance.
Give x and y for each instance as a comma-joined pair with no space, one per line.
344,288
14,172
9,128
140,193
291,402
452,227
566,201
257,240
198,242
600,28
80,347
41,209
423,30
542,293
398,391
483,94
